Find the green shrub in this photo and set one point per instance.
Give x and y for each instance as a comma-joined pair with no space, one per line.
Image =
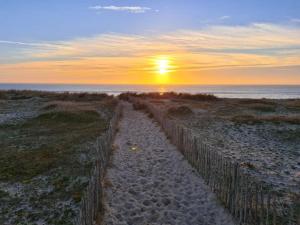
139,106
262,107
179,111
68,117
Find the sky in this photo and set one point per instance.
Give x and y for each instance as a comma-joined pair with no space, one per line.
150,42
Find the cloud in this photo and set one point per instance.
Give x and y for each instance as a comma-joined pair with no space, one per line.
295,20
224,17
31,44
258,45
130,9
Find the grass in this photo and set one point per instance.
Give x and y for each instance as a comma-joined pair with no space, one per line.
139,106
197,97
3,194
256,101
67,117
65,96
169,95
3,95
254,119
52,150
45,142
179,111
58,131
247,165
293,105
289,135
262,107
157,101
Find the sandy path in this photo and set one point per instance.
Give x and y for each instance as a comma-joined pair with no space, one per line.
152,184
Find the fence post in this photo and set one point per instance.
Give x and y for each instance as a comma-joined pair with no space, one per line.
240,192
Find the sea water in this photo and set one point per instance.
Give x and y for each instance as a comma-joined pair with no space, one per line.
226,91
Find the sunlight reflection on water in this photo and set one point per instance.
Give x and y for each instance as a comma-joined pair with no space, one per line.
228,91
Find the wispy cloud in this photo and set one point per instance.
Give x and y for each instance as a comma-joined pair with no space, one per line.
130,9
280,44
31,44
210,48
224,17
295,20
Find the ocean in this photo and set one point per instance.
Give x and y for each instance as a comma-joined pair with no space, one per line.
226,91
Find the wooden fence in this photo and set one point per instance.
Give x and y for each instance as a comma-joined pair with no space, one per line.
91,203
248,199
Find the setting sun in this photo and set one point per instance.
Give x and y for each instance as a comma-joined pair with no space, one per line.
163,66
162,69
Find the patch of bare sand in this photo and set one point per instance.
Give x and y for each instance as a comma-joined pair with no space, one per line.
151,183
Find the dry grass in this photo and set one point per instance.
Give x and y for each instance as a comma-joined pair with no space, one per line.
198,97
247,165
47,140
68,106
170,95
179,111
53,147
65,96
262,107
254,119
157,101
139,106
256,101
293,105
3,95
59,132
107,183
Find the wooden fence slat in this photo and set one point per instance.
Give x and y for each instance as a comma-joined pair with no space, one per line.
92,197
243,195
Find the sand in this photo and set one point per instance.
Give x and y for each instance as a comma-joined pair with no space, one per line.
150,182
16,111
272,149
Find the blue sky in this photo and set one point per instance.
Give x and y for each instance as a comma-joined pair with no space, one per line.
115,41
64,19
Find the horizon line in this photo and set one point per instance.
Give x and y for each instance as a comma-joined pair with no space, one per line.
141,84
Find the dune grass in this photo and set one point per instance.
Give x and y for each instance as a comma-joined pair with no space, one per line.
261,107
64,96
179,111
45,142
49,155
293,105
275,119
170,95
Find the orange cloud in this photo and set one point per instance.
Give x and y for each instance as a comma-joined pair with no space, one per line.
198,56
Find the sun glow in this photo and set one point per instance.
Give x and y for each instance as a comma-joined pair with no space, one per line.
162,68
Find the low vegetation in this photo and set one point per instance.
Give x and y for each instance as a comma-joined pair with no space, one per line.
64,96
293,105
45,142
139,106
276,119
47,159
170,95
179,111
261,107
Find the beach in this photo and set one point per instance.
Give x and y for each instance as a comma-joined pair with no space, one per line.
62,163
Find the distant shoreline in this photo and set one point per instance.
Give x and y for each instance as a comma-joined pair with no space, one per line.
222,91
90,84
